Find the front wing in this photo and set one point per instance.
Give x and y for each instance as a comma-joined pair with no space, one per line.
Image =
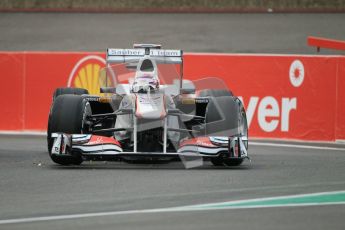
100,147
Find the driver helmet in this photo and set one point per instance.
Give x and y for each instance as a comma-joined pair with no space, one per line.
146,79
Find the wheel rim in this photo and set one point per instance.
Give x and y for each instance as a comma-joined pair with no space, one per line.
244,128
85,127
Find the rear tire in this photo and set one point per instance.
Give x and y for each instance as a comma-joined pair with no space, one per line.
67,115
75,91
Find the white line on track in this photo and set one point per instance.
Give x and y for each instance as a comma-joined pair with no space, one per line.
201,207
23,133
295,146
147,211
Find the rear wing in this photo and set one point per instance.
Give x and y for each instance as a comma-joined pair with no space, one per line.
132,55
146,50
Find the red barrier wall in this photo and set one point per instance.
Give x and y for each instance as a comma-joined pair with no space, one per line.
340,102
286,96
12,91
306,111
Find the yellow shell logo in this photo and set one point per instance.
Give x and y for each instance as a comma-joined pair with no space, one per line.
89,73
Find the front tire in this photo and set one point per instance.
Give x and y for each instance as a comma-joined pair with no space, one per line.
225,116
233,162
217,161
68,115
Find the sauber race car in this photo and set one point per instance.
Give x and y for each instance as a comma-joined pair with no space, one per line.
145,111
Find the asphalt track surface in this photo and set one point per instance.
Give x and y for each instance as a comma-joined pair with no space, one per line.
32,186
238,33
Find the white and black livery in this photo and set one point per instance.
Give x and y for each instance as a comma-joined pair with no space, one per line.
146,111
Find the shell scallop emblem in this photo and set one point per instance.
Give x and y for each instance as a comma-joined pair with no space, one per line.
89,73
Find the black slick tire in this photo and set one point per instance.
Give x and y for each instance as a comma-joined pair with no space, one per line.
67,116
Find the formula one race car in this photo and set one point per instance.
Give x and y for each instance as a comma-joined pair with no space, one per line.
146,112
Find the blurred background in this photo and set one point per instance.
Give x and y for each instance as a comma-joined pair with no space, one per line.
238,26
